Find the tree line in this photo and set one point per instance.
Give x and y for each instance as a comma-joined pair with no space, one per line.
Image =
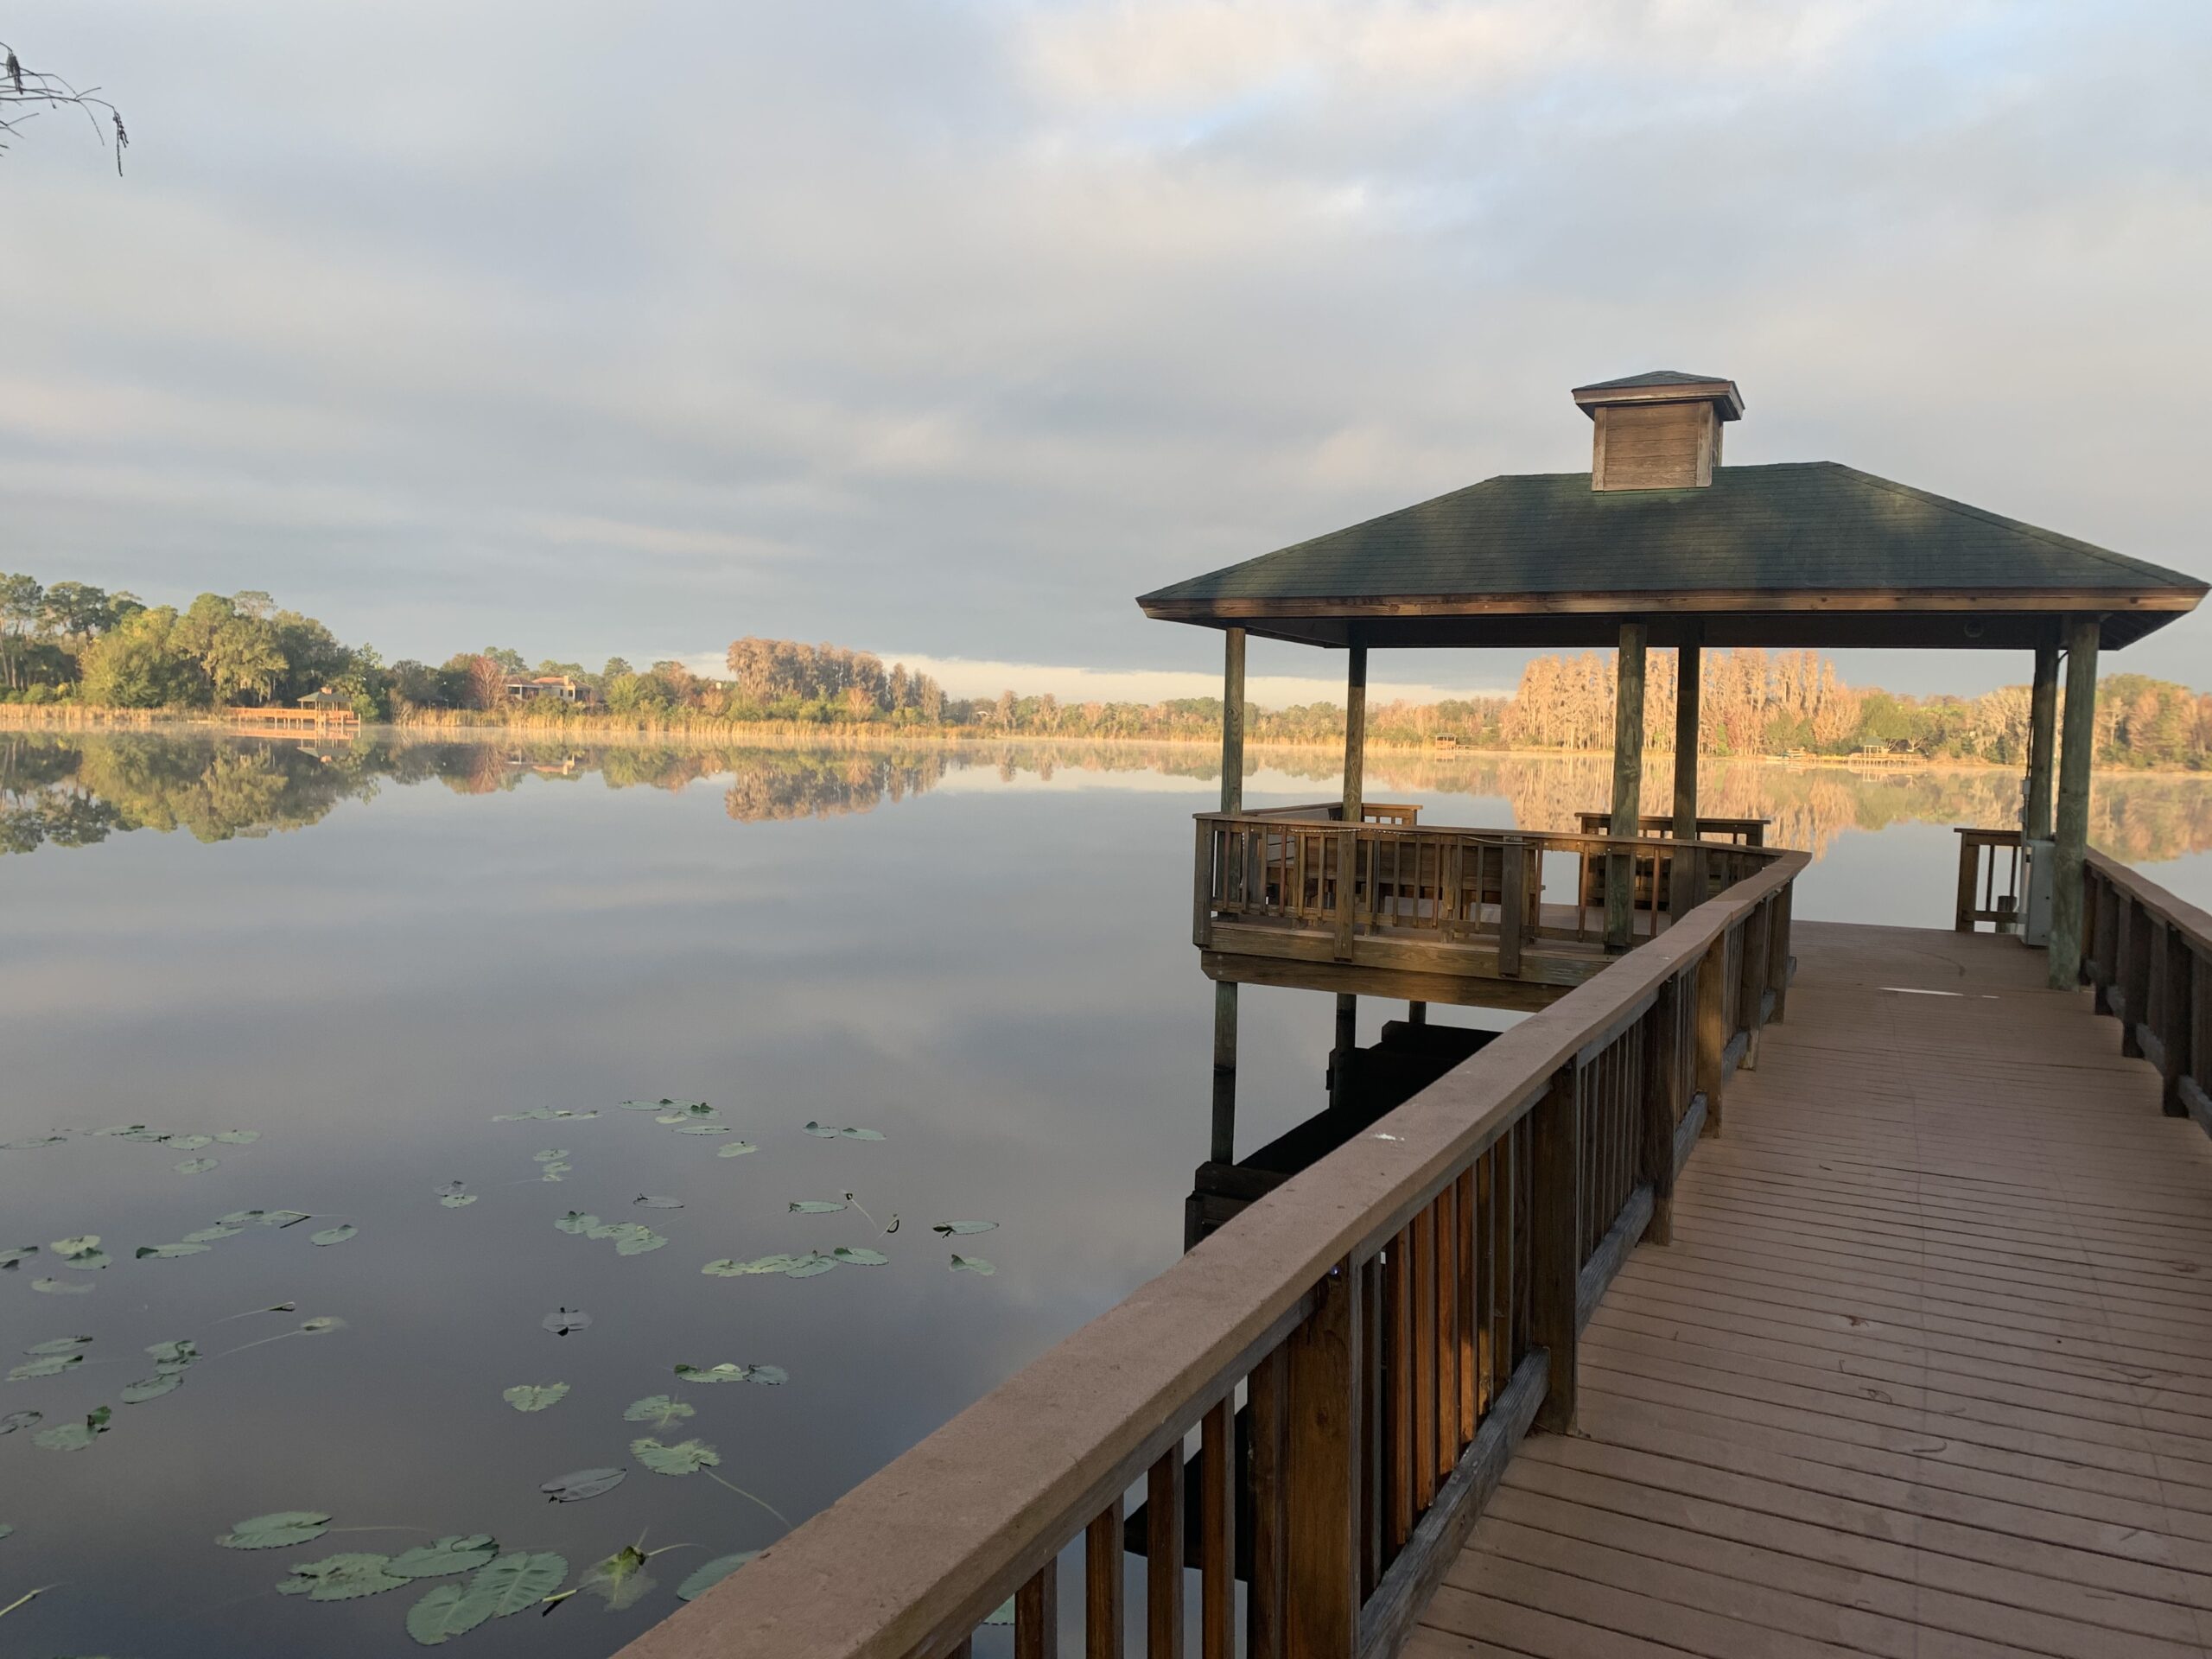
72,643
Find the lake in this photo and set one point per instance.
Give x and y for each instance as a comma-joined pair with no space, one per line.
404,987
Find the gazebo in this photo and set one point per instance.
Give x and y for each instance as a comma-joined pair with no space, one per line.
1658,544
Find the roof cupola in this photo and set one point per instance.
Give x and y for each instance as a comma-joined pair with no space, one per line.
1657,431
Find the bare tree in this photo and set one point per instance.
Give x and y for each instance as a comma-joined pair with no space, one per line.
26,94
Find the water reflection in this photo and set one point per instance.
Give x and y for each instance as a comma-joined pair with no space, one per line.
76,791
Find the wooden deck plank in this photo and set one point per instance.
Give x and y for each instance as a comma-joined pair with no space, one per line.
1927,1371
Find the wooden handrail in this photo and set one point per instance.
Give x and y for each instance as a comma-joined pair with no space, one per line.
1438,1238
2147,957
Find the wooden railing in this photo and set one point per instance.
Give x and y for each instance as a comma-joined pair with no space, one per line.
1357,1356
1335,882
1993,867
1333,812
2148,957
1748,832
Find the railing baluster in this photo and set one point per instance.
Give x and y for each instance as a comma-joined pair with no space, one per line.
1102,1570
1216,1541
1321,1564
1423,1293
1448,1331
1163,1561
1555,1261
1398,1416
1264,1495
1037,1614
1463,1210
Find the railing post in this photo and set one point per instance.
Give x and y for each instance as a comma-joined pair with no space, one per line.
1555,1244
1969,858
1712,1039
1347,889
2176,999
1663,1109
1750,983
1779,952
1202,889
1321,1558
2135,984
1512,901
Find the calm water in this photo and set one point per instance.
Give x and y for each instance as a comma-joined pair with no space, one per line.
983,958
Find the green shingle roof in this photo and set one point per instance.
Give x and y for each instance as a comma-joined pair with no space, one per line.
1795,537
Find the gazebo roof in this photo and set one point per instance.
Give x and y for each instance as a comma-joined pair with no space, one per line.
1796,554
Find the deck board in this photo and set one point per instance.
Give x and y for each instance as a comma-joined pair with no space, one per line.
1926,1371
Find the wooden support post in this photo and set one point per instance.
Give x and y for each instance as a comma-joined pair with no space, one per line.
1512,906
1628,784
1224,1143
1663,1106
1687,888
1712,1038
1962,903
1353,813
1321,1560
1345,1055
1224,1073
2042,737
1416,1014
1555,1244
2077,734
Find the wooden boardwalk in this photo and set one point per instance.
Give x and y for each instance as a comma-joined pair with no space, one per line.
1927,1368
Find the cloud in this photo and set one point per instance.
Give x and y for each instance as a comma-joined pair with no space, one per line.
960,325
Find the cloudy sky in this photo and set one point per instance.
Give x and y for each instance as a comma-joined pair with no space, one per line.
944,330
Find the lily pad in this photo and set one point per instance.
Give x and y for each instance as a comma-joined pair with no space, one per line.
239,1137
191,1143
952,1229
684,1457
342,1578
766,1376
281,1217
277,1531
735,1149
446,1612
33,1143
549,1157
459,1554
70,1437
830,1132
516,1581
337,1234
174,1356
60,1345
807,1266
320,1323
578,1222
861,1258
659,1203
10,1257
152,1387
660,1105
209,1235
200,1167
707,1576
562,1320
640,1243
658,1410
15,1419
60,1288
729,1267
553,1171
972,1264
582,1483
816,1207
458,1200
169,1252
704,1129
534,1396
83,1251
44,1365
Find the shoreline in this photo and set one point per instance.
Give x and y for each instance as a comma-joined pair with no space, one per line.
798,734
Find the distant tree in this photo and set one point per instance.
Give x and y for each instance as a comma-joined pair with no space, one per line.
1003,713
77,610
615,669
487,680
236,647
21,600
139,663
511,661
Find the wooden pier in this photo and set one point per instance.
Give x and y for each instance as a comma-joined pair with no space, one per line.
1697,1313
1923,1370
